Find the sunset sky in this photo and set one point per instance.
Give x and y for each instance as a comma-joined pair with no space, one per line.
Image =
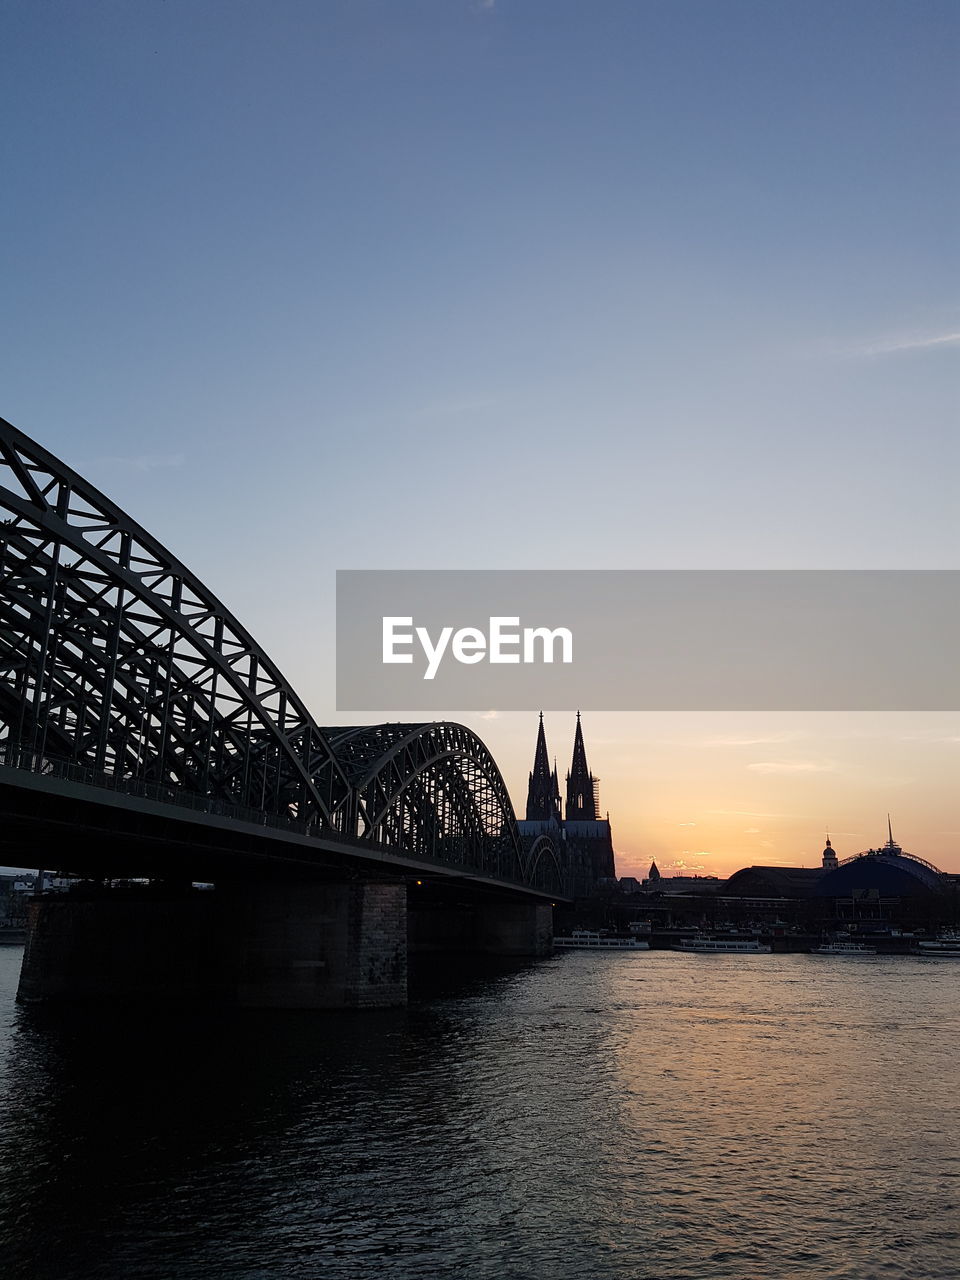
513,284
706,794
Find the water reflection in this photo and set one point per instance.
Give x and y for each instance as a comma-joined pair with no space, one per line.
603,1116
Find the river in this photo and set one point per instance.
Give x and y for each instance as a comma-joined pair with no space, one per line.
633,1116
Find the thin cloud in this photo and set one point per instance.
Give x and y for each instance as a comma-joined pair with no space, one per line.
892,346
454,408
761,741
681,864
489,715
747,813
792,766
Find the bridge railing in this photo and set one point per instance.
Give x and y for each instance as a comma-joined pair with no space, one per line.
69,770
35,762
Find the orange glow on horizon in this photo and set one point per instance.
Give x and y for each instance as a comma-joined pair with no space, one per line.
708,794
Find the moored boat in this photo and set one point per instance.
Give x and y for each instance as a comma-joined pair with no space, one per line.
589,940
721,946
843,949
947,944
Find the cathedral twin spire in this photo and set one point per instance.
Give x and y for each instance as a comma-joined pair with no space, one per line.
581,784
543,793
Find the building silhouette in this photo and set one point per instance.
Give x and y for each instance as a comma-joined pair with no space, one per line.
543,791
583,789
587,836
829,857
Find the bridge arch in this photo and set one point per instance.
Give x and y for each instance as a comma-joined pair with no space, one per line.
546,867
118,658
117,661
436,790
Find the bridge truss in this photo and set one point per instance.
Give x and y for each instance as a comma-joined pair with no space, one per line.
116,661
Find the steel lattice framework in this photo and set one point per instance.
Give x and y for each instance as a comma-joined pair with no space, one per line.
926,872
436,789
114,658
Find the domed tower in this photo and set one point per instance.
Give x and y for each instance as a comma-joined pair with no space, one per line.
830,857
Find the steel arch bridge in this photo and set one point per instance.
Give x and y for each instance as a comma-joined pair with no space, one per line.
120,668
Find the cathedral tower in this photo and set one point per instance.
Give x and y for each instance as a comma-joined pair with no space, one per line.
582,787
586,838
543,791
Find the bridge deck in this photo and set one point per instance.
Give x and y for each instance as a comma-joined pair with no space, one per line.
96,830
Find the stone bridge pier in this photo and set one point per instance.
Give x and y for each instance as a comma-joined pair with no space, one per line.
270,945
276,945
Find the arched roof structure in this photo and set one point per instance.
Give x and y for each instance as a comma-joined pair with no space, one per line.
888,872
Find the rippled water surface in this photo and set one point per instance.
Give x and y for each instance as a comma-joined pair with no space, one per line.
649,1116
